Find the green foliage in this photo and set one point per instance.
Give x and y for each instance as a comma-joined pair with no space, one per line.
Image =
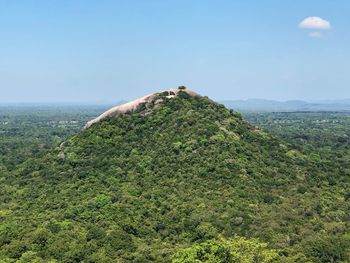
237,249
30,131
328,249
102,200
191,174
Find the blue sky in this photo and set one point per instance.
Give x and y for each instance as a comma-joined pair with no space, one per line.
106,51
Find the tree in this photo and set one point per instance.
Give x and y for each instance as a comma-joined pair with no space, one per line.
237,249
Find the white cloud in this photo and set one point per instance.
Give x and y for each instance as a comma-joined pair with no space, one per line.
315,22
315,34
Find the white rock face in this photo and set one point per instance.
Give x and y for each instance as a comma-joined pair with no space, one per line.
136,104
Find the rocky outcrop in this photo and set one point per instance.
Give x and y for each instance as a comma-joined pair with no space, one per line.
134,105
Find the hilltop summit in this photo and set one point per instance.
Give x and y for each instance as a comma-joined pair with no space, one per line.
146,101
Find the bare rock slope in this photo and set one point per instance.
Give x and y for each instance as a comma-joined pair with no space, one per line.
138,103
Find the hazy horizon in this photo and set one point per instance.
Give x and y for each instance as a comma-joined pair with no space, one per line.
121,101
103,52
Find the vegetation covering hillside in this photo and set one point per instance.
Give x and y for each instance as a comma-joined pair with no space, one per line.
182,183
26,131
324,135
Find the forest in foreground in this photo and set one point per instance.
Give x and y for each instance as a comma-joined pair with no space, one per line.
192,179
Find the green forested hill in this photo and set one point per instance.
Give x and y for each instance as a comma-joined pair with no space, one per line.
188,179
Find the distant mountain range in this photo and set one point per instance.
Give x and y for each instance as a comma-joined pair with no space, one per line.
238,105
290,105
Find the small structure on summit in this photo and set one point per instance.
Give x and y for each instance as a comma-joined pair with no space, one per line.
134,105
